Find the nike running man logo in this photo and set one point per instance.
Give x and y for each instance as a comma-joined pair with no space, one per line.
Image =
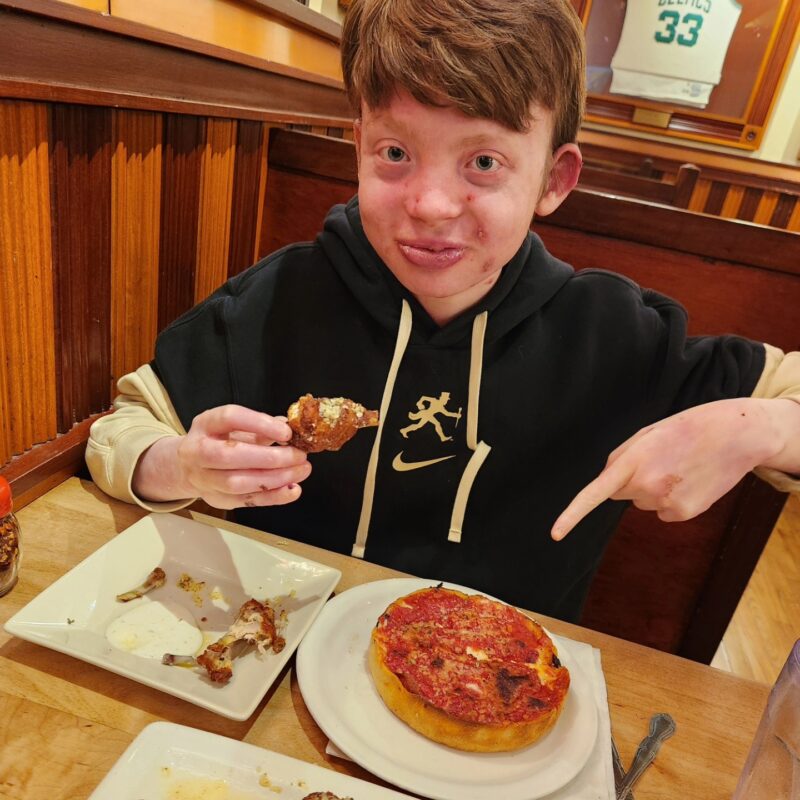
404,466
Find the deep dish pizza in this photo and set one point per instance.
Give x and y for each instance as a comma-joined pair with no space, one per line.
467,671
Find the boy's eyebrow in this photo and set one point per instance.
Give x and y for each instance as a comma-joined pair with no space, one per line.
480,139
400,126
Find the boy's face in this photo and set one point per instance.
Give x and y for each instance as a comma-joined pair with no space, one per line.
446,199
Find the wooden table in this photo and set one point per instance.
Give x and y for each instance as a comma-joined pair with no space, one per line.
64,723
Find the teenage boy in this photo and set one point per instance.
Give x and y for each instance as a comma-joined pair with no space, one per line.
426,296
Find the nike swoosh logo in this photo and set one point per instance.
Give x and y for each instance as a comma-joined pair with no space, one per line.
404,466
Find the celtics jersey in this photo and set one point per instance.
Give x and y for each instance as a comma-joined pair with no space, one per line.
673,49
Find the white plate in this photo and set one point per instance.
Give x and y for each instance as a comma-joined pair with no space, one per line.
337,687
73,614
169,761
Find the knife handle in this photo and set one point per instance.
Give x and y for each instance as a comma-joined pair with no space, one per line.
662,726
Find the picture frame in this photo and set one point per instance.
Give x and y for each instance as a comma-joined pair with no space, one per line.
758,54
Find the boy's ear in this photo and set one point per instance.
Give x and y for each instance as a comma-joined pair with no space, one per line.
357,140
564,172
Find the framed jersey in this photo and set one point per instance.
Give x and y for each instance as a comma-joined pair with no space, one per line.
695,69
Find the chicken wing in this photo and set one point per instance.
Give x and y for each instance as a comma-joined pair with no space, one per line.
155,579
326,423
254,624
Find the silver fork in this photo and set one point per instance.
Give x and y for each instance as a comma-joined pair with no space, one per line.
662,726
619,770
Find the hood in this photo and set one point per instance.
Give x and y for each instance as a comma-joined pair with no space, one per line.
526,283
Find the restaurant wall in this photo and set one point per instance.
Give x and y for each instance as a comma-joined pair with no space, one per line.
112,223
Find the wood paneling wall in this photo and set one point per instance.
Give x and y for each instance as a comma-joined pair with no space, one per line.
28,322
136,202
132,178
113,222
214,216
80,208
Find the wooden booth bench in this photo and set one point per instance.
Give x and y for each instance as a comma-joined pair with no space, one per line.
706,181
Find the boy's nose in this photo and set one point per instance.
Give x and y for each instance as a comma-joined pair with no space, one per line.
433,201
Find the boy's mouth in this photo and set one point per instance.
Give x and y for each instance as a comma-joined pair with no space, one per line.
431,254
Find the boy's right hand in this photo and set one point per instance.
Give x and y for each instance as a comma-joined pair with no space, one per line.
229,458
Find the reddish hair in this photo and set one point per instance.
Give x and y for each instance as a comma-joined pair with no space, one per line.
488,58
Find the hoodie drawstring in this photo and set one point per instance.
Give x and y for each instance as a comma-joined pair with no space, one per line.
480,449
403,334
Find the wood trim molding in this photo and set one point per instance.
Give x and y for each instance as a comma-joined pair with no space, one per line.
34,472
59,11
714,165
300,15
44,58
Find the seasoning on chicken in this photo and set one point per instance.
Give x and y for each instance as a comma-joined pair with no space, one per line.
155,579
254,624
326,423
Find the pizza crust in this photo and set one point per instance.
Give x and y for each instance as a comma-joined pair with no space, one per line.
445,728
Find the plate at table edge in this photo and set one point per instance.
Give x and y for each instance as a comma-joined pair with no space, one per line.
338,690
72,614
164,752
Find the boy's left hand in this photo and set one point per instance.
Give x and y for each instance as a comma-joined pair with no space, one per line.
680,465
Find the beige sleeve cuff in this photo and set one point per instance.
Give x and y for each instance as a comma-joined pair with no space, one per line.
780,379
143,414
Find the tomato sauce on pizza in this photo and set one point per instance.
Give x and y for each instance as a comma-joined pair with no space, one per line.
476,666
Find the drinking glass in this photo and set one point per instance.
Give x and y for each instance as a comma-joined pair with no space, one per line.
772,769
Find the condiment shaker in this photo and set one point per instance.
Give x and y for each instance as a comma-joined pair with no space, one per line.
10,547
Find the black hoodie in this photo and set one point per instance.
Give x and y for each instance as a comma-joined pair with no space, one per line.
516,409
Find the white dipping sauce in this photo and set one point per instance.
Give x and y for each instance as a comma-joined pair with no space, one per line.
150,629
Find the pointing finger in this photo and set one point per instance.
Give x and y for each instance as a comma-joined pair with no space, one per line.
608,483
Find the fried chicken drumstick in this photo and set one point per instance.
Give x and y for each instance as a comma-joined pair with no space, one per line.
326,423
254,624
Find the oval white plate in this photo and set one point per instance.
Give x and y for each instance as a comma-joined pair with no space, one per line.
338,689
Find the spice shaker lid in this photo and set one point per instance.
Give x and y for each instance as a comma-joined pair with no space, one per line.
6,503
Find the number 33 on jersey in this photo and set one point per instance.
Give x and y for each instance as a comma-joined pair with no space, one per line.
673,50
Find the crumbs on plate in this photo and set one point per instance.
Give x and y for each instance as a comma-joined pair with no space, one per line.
189,584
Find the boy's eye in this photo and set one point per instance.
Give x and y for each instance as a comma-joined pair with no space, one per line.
394,153
486,163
